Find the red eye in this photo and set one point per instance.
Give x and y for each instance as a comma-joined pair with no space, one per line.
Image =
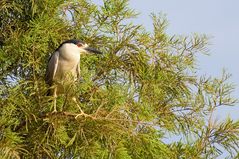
79,44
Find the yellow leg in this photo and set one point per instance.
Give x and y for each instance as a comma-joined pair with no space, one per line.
81,111
54,102
74,99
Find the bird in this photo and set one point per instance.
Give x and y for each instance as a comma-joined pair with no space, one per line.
64,66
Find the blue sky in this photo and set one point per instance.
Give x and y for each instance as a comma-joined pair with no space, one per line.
218,19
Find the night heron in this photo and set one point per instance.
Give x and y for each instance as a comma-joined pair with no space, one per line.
64,65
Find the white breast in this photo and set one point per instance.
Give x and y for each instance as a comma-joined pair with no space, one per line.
69,58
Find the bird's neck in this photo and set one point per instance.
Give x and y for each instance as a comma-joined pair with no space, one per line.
69,53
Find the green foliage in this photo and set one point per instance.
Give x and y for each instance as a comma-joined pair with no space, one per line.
143,89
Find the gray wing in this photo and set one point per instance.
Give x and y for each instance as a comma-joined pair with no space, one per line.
52,67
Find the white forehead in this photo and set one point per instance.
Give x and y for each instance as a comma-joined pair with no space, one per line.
74,45
69,47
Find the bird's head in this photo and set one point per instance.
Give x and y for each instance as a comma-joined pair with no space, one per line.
80,47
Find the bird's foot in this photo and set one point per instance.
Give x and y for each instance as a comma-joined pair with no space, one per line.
54,111
81,114
85,115
78,115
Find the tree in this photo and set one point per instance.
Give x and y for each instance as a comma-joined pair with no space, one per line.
143,89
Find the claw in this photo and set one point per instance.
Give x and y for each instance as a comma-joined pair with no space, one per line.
54,111
81,111
82,114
